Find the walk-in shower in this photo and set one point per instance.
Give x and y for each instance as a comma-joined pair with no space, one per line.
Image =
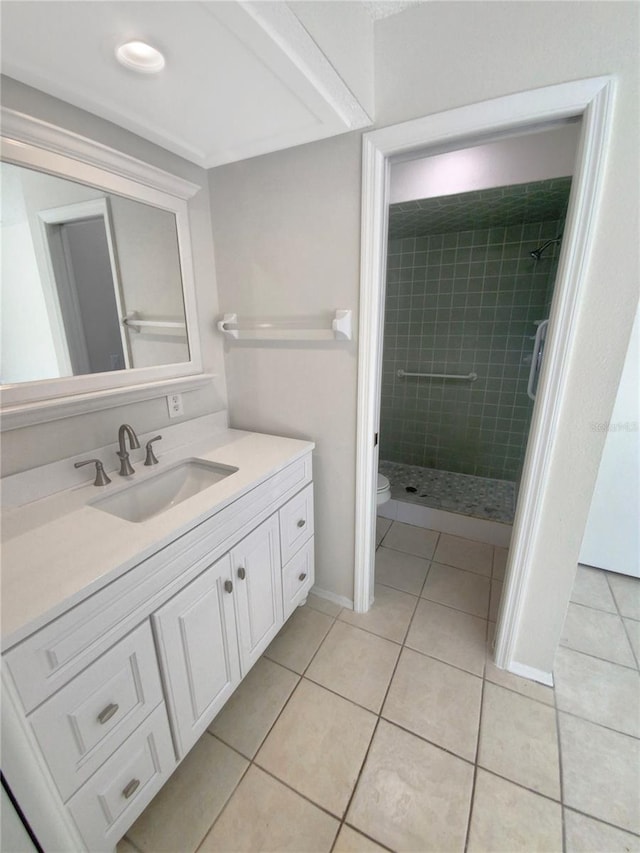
469,279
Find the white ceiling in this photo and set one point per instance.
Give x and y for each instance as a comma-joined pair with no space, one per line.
241,79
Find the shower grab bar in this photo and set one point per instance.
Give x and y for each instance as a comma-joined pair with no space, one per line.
536,359
471,377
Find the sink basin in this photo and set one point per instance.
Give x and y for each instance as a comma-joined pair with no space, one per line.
163,490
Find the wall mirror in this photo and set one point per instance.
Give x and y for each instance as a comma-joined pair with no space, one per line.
97,285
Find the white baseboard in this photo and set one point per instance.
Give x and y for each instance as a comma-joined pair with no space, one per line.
478,529
342,600
531,673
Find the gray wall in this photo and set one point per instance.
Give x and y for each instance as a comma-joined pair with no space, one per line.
286,236
32,446
456,303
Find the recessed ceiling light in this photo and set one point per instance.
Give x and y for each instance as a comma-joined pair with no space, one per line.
140,56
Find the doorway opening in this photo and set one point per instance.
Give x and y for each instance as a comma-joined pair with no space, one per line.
461,128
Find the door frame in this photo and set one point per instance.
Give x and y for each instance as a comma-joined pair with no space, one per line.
62,280
592,101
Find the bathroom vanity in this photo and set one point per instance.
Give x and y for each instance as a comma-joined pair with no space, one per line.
122,639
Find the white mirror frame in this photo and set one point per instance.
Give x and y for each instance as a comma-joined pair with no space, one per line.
35,144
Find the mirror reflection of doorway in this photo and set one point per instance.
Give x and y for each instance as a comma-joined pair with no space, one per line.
87,291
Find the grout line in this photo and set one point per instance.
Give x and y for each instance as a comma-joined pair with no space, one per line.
596,723
226,803
369,631
297,792
441,660
601,820
369,837
622,618
556,800
475,770
596,657
560,766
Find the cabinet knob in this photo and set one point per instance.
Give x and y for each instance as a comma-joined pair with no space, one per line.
241,573
130,788
107,713
302,522
228,586
302,576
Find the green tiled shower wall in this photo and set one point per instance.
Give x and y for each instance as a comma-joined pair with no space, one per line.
457,302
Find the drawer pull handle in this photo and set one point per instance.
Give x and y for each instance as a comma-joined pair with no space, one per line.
302,576
302,522
131,788
241,573
107,713
228,586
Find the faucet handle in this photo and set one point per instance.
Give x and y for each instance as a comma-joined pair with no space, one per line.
151,457
101,478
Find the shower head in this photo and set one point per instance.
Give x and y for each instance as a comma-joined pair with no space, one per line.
536,254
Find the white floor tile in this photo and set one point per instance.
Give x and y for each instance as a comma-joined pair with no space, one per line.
436,701
587,835
518,740
245,720
264,814
591,589
389,616
317,746
180,815
626,591
356,664
600,772
300,639
412,540
506,817
597,633
456,588
449,635
412,795
598,690
464,554
396,569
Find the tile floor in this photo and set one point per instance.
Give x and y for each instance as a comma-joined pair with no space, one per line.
393,730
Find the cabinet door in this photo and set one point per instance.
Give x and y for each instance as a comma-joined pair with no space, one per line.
258,584
198,650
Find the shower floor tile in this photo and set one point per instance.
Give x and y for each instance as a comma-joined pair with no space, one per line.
479,497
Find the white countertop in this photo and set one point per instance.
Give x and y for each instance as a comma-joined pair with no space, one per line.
59,550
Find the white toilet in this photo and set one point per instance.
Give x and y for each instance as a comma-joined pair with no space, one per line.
384,490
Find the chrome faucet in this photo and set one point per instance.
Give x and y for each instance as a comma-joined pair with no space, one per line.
126,468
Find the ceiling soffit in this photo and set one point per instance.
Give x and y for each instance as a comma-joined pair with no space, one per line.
242,79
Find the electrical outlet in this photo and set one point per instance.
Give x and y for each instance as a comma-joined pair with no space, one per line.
174,403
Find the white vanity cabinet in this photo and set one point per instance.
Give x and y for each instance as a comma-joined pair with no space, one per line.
102,702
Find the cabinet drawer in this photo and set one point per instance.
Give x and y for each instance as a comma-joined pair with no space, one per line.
297,578
296,523
106,806
84,723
